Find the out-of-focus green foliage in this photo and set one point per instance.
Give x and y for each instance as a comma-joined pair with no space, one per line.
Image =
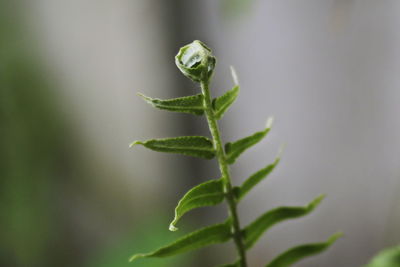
234,8
29,141
197,63
387,258
146,234
214,234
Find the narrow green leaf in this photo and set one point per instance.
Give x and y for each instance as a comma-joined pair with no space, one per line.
387,258
188,104
256,178
233,150
254,231
209,193
222,103
295,254
196,146
210,235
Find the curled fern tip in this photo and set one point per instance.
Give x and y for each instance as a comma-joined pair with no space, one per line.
172,228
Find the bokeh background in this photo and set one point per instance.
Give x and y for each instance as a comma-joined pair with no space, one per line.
73,194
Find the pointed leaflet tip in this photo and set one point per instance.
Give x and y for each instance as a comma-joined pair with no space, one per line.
235,149
234,76
316,201
280,151
335,237
254,179
295,254
146,98
254,230
136,256
269,123
137,142
206,194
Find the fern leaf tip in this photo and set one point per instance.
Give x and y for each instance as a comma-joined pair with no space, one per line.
234,75
136,143
136,256
280,151
144,97
316,201
335,237
269,123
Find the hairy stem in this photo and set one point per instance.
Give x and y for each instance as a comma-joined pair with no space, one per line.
224,168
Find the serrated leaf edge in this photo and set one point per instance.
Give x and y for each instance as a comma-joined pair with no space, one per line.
150,100
138,142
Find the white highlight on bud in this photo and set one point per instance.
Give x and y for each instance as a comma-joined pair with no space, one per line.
234,76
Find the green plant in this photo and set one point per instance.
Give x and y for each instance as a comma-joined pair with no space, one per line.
389,257
197,63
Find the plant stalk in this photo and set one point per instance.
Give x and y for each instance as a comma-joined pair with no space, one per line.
224,168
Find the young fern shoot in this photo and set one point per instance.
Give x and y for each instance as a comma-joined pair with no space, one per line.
196,62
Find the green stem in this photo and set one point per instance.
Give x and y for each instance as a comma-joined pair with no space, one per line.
223,166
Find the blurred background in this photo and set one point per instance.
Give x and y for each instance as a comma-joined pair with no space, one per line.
73,194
